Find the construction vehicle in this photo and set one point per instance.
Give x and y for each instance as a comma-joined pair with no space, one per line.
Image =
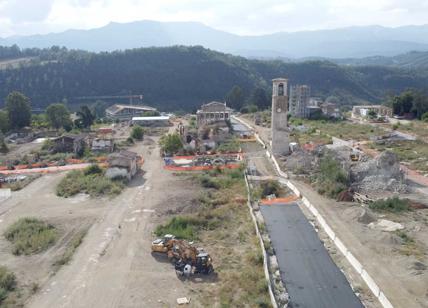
163,245
185,257
183,254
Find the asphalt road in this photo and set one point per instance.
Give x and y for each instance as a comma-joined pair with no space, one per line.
310,275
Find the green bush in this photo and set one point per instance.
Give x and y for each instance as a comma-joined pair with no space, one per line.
394,204
94,184
171,143
331,178
30,236
93,169
7,283
183,227
208,182
137,133
270,188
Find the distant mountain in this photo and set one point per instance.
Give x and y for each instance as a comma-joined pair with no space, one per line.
182,78
351,42
414,59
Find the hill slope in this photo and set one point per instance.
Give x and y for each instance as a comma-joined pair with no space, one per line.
335,43
184,77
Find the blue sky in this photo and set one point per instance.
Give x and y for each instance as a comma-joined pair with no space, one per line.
237,16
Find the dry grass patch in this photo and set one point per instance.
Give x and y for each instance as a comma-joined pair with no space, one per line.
31,236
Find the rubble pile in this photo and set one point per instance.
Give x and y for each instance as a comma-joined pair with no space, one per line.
300,162
380,174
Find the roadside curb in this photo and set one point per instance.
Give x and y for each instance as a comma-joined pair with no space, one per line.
262,245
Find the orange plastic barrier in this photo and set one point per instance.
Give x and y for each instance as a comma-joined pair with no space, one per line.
279,200
206,155
200,168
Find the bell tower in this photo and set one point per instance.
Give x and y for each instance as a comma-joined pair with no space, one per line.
280,137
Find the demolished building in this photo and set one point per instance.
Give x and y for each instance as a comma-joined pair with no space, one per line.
122,165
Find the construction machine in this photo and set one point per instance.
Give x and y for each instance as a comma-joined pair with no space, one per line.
185,254
163,245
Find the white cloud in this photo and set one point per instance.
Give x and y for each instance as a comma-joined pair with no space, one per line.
239,16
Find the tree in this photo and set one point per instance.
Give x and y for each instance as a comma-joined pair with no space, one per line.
235,97
137,132
58,115
99,109
3,146
171,143
4,121
260,98
86,118
18,109
425,117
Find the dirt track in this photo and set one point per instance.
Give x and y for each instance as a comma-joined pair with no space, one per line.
114,267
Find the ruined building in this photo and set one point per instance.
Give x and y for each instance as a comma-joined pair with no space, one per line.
300,96
280,136
211,113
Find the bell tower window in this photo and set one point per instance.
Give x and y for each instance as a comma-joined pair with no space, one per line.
281,89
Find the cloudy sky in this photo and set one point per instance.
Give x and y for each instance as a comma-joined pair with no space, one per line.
237,16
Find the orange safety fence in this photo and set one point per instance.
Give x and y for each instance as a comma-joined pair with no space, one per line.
206,155
288,199
200,168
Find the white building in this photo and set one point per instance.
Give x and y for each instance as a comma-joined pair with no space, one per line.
126,112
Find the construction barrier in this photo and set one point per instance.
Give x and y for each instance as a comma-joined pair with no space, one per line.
279,200
201,168
374,288
262,245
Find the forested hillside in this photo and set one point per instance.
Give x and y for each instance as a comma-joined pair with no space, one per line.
176,78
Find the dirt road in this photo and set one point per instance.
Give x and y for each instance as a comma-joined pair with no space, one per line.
114,267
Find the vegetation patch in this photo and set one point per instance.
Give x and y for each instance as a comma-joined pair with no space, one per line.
31,236
394,205
90,181
330,179
7,283
223,226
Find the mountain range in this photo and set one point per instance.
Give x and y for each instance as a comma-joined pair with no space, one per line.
350,42
182,77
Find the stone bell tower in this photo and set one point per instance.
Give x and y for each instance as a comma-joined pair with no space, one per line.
280,137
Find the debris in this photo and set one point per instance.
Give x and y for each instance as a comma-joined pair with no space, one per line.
386,225
346,196
183,300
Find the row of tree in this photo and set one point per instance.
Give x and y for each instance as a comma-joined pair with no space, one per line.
258,99
409,102
17,115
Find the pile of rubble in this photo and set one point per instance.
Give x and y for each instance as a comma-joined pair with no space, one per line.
382,173
367,175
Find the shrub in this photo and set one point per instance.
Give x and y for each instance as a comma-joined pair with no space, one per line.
184,227
93,169
270,188
137,133
331,178
425,117
171,143
208,182
7,283
30,236
90,182
394,204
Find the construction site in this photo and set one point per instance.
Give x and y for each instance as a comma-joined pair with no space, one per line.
349,187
